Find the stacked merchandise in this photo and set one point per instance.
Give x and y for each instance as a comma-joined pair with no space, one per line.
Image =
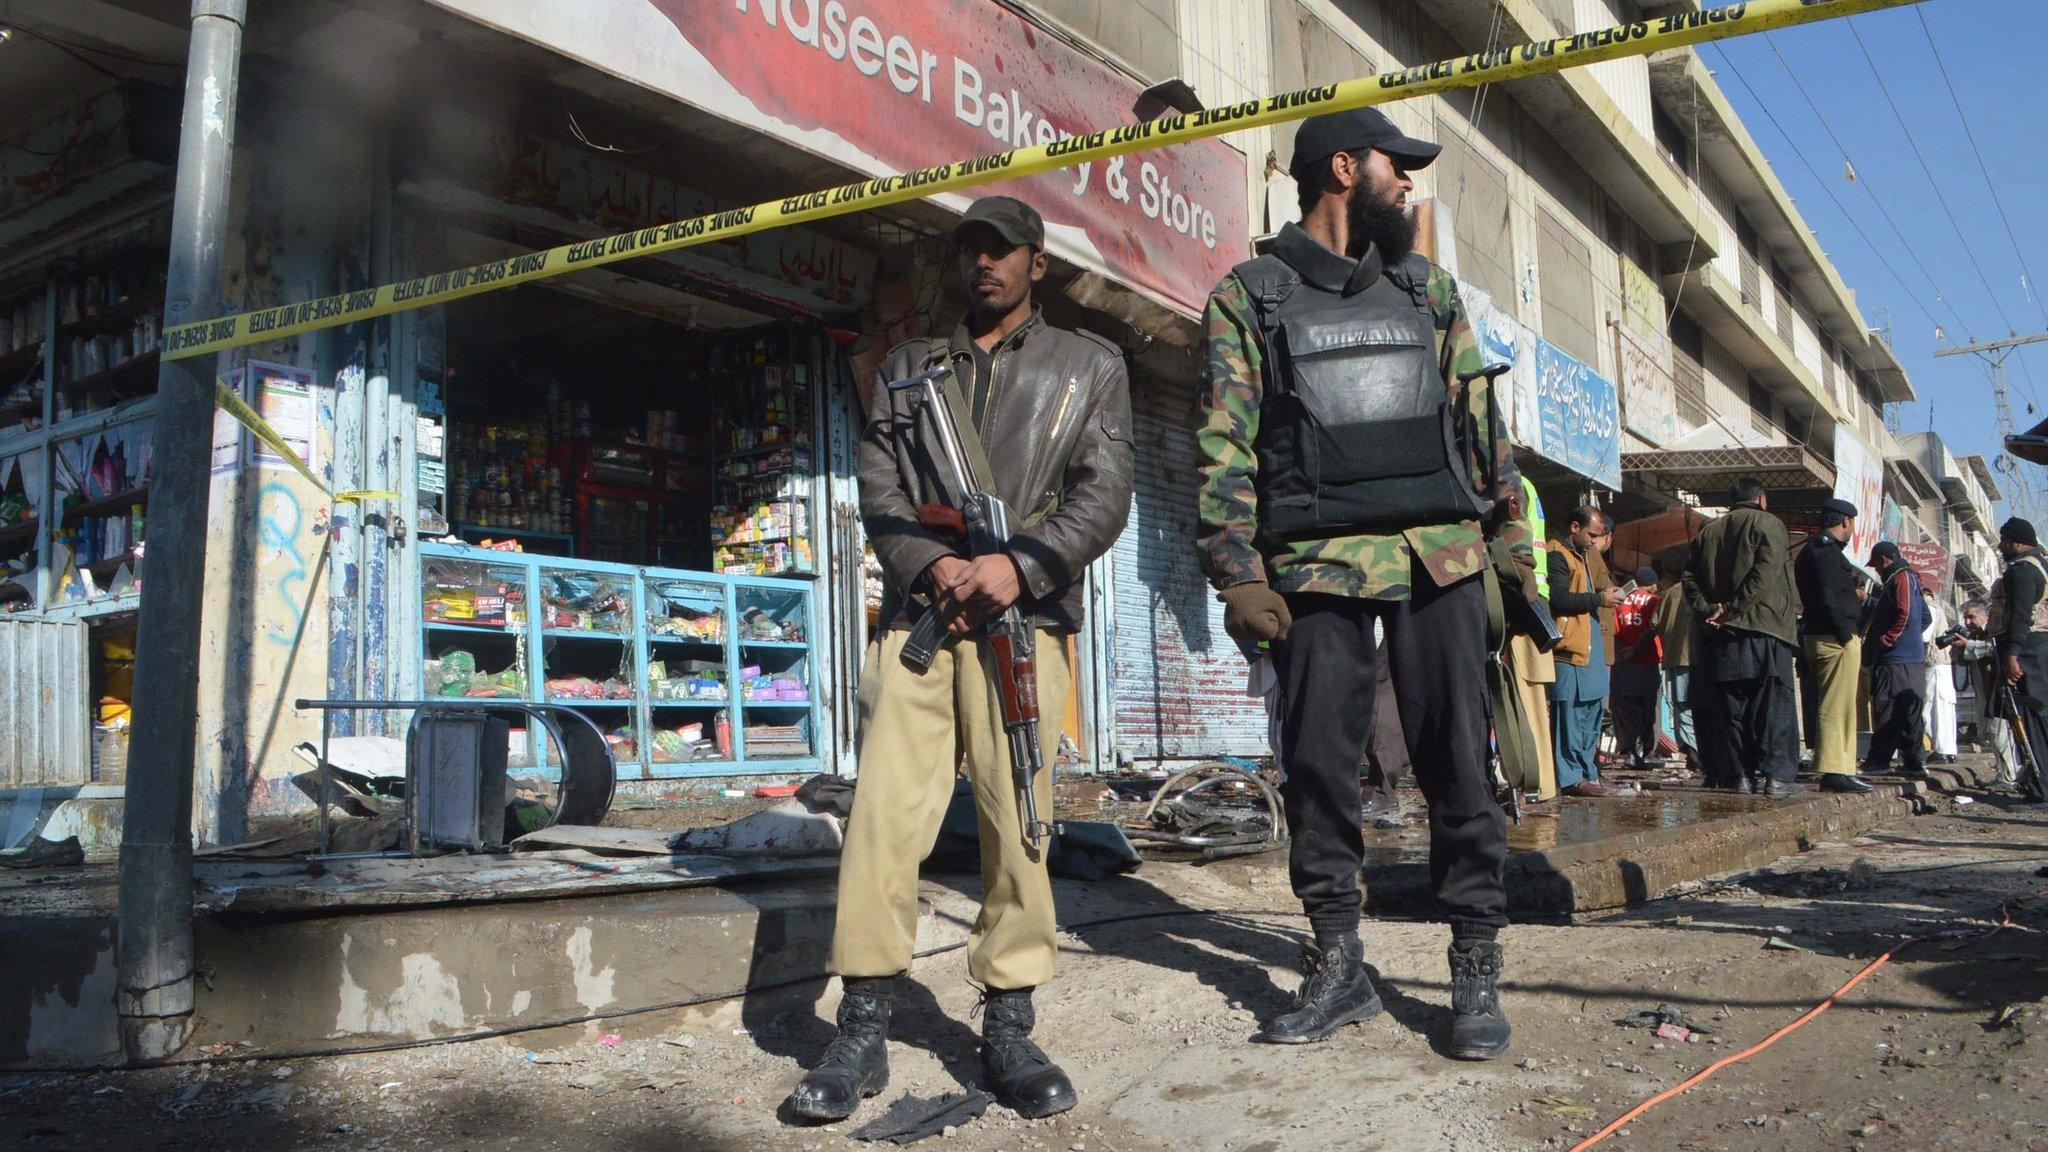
757,625
115,312
23,324
472,595
699,680
106,473
760,518
455,674
500,476
583,604
587,688
776,741
687,742
687,623
757,686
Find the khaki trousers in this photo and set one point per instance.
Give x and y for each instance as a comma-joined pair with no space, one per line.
1837,669
916,731
1533,672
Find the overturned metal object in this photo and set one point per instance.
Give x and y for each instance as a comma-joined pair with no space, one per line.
1217,809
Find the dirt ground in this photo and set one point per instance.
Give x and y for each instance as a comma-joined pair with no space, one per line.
1945,1047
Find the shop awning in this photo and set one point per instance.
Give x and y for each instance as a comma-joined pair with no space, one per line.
2031,445
1702,470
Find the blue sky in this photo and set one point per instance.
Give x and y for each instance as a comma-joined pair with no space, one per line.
1983,43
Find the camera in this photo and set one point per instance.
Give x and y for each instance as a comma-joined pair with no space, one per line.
1950,637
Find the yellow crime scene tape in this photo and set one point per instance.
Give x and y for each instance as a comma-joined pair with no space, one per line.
239,408
1638,38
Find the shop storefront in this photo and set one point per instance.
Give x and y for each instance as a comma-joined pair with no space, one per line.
629,489
84,220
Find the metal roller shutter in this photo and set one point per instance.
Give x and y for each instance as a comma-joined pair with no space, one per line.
1179,680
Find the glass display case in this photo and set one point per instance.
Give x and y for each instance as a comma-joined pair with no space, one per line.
687,673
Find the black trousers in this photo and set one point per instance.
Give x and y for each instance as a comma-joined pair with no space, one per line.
2033,686
1762,712
1436,642
1710,729
1387,755
1898,697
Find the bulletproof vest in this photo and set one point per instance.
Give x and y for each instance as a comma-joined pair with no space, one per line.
1356,432
2037,622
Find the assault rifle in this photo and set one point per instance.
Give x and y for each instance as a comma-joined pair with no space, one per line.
981,523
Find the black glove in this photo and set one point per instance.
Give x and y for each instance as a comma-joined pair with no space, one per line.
1255,614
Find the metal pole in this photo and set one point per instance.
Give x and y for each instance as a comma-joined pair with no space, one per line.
154,997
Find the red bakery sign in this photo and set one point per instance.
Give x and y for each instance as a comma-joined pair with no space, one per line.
892,85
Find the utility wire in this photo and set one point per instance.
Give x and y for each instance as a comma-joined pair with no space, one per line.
1800,154
1851,161
2033,285
1928,170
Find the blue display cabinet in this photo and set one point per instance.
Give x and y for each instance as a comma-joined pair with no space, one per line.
690,674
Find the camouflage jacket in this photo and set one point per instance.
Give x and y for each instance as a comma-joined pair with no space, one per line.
1227,427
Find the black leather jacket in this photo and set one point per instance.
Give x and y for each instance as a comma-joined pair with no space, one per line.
1058,439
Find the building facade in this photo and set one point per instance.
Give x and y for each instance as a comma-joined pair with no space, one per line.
668,441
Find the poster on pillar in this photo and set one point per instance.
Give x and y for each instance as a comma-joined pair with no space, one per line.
885,86
1859,479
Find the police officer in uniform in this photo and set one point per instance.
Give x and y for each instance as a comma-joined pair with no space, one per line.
1350,454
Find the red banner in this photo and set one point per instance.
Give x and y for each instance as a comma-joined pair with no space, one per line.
902,84
1931,563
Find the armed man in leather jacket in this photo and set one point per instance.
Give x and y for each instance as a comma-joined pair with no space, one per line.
1053,410
1350,452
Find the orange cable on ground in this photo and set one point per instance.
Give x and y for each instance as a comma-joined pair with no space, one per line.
2004,920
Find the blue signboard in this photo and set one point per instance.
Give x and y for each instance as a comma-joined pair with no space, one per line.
1579,414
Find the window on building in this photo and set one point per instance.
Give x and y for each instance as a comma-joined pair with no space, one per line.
1476,191
1564,272
1760,407
1673,144
1689,374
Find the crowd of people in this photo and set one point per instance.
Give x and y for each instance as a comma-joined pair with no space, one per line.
1729,657
1386,568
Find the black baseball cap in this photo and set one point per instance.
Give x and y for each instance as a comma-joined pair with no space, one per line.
1323,136
1013,220
1839,507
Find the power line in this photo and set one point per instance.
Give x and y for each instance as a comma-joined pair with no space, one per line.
1851,161
1928,170
2033,286
1800,154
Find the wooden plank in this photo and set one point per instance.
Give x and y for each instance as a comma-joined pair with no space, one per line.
391,884
631,841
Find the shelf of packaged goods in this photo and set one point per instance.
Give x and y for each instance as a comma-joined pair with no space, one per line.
764,450
16,362
485,629
718,704
517,533
679,641
571,703
107,505
104,571
12,533
121,316
763,705
583,634
136,370
786,645
778,538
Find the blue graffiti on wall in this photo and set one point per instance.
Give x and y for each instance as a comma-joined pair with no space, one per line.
279,521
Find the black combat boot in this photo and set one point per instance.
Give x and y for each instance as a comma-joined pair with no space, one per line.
1022,1077
1479,1029
856,1064
1337,992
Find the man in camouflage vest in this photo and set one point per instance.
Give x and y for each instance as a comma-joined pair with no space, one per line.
1350,453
